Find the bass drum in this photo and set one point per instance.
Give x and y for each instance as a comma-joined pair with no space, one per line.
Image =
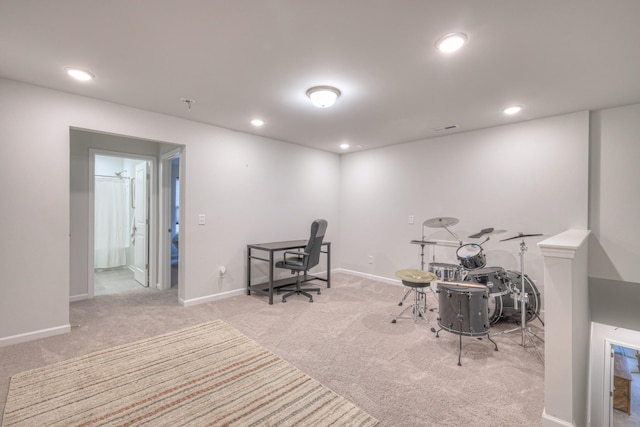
502,307
494,278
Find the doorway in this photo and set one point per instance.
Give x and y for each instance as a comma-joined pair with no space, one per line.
625,386
121,223
84,146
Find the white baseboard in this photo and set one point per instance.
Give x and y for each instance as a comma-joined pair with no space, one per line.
30,336
209,298
368,276
74,298
551,421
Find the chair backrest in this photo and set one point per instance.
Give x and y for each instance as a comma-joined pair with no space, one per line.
318,228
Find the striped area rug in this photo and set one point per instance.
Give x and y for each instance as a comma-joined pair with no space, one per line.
208,375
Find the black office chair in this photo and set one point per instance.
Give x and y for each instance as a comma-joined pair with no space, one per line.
301,262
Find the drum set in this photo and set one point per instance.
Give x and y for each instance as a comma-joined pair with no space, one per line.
472,297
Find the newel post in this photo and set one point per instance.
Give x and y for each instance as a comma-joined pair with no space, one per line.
567,321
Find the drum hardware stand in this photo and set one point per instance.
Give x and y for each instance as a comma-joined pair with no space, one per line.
523,298
419,307
416,281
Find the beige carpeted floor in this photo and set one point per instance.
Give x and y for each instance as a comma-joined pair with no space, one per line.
399,373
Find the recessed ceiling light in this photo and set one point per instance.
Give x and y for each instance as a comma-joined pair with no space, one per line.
323,96
80,74
451,42
513,109
257,122
344,146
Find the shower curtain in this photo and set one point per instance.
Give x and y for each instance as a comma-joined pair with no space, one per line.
111,235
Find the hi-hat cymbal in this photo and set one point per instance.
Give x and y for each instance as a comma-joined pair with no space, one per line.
521,235
422,242
441,222
416,276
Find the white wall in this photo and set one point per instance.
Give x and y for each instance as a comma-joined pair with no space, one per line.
614,213
614,252
252,189
529,177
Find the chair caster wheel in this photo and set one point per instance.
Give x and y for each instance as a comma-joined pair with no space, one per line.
400,304
310,299
433,330
393,321
284,300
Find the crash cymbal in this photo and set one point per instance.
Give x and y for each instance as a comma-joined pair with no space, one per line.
416,276
441,222
422,242
521,235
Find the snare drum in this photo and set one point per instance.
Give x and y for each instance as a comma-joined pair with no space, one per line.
446,272
471,256
463,310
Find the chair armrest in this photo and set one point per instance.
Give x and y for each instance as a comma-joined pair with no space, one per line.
296,253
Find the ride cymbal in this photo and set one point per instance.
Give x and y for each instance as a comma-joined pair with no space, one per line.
521,235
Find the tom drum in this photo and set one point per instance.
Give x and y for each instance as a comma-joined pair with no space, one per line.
471,256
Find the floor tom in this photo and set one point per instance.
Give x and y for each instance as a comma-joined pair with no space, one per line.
463,310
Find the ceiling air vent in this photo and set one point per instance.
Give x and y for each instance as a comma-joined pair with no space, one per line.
443,128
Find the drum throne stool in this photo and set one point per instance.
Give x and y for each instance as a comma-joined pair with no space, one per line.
416,281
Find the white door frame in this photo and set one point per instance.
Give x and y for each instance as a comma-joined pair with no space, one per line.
608,378
153,213
164,261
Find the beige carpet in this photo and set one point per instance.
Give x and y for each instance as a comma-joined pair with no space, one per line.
210,374
401,374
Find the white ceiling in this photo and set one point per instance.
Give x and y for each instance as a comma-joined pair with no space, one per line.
242,59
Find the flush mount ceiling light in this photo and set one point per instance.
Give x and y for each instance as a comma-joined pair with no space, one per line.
80,74
257,122
451,42
512,109
345,146
323,96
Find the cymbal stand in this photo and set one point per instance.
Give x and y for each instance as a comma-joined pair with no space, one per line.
422,245
453,234
522,297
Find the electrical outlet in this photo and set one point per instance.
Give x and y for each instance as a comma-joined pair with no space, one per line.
370,259
412,220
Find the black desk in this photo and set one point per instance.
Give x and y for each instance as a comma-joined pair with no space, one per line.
268,250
